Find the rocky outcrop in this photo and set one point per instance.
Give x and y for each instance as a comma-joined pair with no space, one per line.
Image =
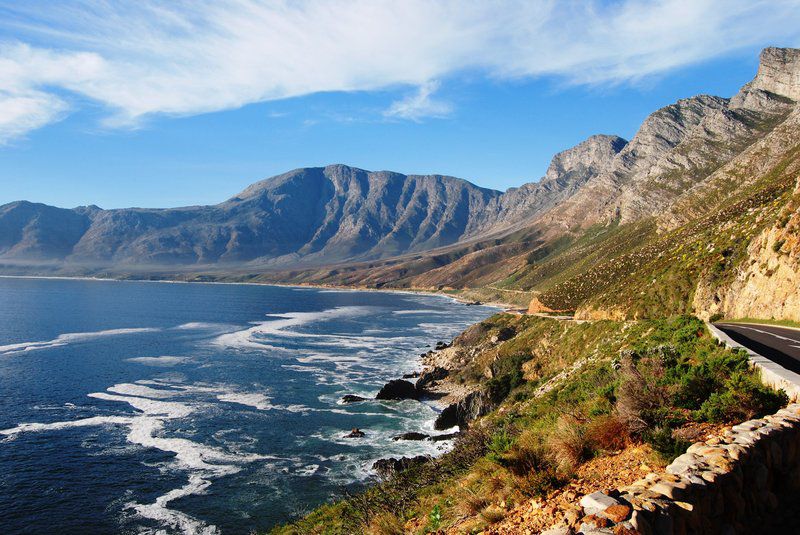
734,483
471,407
352,398
387,468
411,435
779,72
568,172
397,389
429,377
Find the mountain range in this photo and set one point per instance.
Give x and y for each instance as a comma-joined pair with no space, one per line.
604,209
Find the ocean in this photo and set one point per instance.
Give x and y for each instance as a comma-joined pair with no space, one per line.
140,407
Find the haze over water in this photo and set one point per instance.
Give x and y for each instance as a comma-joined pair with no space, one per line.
133,407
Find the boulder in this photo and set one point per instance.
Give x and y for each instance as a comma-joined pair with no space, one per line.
352,398
398,389
428,377
441,345
440,438
355,433
386,468
411,435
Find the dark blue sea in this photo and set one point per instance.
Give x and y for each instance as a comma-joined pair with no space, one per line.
136,407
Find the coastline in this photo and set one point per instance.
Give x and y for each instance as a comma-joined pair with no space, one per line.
506,307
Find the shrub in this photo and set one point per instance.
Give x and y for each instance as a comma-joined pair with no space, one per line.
500,443
665,444
434,519
743,398
527,454
716,317
640,396
570,444
608,432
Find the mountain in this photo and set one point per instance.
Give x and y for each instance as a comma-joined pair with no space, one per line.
304,217
307,215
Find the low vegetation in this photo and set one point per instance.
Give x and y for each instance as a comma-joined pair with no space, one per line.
566,393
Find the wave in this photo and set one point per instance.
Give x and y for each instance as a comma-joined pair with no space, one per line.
68,338
283,326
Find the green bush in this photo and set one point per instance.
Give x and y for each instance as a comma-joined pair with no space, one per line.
665,444
744,397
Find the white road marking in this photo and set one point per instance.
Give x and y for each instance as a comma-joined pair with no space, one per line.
769,333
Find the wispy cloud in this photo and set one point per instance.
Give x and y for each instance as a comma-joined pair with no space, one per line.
420,105
181,58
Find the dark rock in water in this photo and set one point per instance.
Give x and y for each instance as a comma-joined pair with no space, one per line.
474,303
447,436
474,405
412,375
352,398
441,345
430,376
355,433
386,468
398,389
411,435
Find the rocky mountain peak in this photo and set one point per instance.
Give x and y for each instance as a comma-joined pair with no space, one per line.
594,153
779,72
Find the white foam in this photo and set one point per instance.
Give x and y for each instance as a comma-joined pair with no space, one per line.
256,400
164,360
35,427
132,389
252,337
67,338
181,522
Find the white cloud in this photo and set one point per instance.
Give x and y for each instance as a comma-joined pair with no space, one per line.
420,105
180,58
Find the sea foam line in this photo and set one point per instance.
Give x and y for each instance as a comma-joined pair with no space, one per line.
67,338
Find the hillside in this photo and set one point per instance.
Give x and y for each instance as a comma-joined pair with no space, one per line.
698,208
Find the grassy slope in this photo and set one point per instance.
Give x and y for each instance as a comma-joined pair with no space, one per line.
631,382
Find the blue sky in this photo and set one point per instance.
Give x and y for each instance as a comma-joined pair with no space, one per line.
168,104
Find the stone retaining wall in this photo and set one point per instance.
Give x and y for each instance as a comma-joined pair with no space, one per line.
729,484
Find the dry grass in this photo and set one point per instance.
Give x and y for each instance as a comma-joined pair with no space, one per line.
570,444
608,433
386,524
493,514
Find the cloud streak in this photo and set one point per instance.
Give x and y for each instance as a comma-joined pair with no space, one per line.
138,59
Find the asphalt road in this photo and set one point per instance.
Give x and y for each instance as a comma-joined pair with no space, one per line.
778,344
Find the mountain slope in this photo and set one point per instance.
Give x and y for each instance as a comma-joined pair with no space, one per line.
332,213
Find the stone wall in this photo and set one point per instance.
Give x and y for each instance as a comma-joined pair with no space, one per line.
733,483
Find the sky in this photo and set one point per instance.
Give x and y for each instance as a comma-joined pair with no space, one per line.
162,104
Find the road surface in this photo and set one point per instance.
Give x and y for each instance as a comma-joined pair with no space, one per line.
781,345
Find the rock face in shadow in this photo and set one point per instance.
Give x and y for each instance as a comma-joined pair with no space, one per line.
386,468
398,389
473,406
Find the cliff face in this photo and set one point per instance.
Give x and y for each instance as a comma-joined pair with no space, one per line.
766,285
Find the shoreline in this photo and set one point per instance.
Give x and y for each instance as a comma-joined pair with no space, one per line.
505,307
